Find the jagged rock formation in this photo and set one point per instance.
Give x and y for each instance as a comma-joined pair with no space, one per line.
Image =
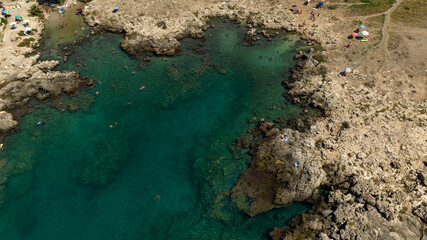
148,28
273,179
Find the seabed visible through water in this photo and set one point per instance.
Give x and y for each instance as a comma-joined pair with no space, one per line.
164,171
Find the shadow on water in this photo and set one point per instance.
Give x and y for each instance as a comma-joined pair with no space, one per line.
125,163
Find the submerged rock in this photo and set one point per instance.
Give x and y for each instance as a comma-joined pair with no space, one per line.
101,168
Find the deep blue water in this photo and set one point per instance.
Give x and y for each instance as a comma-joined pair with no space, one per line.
76,178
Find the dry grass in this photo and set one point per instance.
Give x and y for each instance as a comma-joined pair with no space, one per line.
394,41
375,22
368,7
413,12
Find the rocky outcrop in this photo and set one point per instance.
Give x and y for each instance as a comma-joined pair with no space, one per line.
7,124
147,30
375,180
38,81
281,172
22,77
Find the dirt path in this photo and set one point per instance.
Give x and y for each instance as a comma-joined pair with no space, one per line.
384,40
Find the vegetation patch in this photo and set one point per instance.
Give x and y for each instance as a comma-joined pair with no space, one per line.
413,12
376,22
35,11
26,42
161,24
320,58
332,7
3,22
368,7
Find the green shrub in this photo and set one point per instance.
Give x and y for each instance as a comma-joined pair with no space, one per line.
3,21
35,11
26,42
332,7
161,24
320,58
345,125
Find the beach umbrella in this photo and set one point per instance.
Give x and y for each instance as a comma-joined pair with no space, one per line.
17,16
7,11
12,23
362,27
79,10
116,8
347,70
354,34
365,33
3,11
320,4
28,29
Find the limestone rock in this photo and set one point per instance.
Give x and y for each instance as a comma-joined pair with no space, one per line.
7,124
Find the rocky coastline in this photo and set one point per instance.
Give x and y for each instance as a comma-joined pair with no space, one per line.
359,201
369,159
353,154
24,77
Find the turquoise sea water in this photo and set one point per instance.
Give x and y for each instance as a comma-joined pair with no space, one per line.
76,178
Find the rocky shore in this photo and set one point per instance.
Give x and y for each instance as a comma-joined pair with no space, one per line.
367,155
374,182
23,77
158,31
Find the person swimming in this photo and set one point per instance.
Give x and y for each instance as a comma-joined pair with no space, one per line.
40,122
142,87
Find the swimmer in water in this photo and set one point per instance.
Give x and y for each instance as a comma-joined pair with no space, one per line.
97,92
129,103
141,88
40,122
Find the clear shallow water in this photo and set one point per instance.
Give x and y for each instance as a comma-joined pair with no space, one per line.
76,178
64,25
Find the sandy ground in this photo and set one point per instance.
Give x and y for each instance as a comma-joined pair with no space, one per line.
13,56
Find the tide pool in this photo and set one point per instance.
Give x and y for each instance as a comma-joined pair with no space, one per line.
165,166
